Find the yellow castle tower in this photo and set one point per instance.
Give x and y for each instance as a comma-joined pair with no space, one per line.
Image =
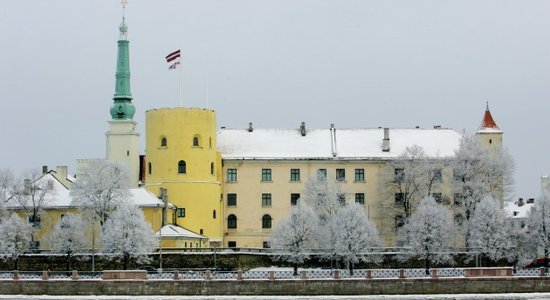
182,163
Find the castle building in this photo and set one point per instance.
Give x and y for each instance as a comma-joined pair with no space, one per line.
233,186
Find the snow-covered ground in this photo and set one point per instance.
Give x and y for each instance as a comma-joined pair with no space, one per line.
526,296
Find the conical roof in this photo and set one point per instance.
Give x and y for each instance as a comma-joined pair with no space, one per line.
488,124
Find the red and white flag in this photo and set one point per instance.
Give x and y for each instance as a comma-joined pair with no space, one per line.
170,57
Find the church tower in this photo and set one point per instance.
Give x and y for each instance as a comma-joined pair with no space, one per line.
122,137
488,132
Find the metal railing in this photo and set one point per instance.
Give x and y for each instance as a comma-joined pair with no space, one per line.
267,275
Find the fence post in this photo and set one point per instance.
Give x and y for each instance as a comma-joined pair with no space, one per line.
15,275
542,271
401,273
207,275
434,273
44,275
240,275
74,275
271,275
369,274
303,275
337,274
176,275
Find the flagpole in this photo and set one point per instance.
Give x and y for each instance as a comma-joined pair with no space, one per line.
207,81
181,86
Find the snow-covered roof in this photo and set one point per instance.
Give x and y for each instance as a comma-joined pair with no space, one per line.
516,211
174,231
60,196
343,143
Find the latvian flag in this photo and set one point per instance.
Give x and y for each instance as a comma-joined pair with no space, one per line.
173,60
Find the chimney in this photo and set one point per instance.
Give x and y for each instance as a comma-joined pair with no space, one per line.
303,129
44,169
333,140
250,128
27,186
386,140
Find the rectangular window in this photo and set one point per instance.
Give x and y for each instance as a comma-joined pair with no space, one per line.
437,197
322,174
231,174
266,174
341,198
457,175
34,219
399,198
399,174
360,198
266,200
438,176
267,244
341,174
232,244
231,199
294,174
360,175
180,212
294,199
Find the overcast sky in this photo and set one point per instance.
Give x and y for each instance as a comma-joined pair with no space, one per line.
357,64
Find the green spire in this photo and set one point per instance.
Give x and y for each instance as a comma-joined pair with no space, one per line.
123,109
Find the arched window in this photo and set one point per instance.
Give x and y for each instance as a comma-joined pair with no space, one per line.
163,142
196,141
182,167
231,221
266,221
210,142
214,214
211,168
150,167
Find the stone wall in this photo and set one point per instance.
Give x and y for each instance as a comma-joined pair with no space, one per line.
278,287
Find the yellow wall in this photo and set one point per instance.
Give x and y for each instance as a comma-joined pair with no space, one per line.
198,190
249,189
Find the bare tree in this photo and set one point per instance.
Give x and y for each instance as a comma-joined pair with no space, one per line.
32,194
68,237
15,238
296,235
411,177
127,235
429,233
355,235
101,187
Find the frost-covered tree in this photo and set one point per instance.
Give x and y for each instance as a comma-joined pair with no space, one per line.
68,237
15,238
296,235
355,235
325,196
429,233
102,185
479,172
411,177
538,224
127,235
32,194
489,233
